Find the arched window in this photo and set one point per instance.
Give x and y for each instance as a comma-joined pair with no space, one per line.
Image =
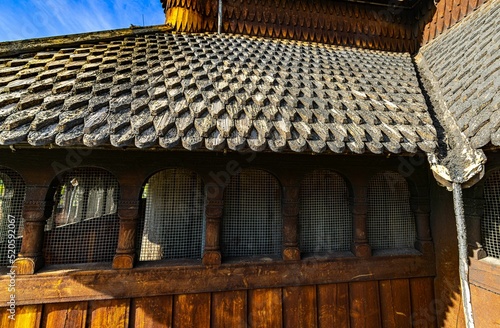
325,222
174,216
490,223
12,192
84,224
252,223
390,221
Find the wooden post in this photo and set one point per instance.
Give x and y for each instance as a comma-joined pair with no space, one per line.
213,216
128,212
291,251
360,246
31,258
474,211
421,210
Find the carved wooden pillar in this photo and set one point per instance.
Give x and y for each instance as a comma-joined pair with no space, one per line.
421,210
213,216
291,251
360,246
128,212
474,211
31,258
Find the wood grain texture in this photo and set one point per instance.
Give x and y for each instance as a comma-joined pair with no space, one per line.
229,309
64,315
109,314
92,284
28,316
423,302
364,304
265,308
299,307
192,310
485,305
333,305
151,312
395,303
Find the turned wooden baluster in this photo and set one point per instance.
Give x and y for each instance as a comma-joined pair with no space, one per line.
30,258
421,210
128,212
291,190
360,246
213,215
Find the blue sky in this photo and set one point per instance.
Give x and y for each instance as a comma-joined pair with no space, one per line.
26,19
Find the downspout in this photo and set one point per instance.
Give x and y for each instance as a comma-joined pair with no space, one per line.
455,165
463,266
219,18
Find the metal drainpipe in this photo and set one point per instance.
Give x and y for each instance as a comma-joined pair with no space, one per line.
219,18
463,266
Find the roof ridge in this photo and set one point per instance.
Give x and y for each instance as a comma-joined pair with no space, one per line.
459,162
11,48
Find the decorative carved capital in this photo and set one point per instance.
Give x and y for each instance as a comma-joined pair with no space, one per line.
128,209
34,210
213,212
420,205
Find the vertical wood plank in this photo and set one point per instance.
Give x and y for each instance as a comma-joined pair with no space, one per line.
192,310
27,316
151,312
395,303
108,314
70,315
364,304
299,307
333,305
422,302
229,309
265,308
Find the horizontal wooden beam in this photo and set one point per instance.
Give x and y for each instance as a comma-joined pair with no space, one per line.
99,283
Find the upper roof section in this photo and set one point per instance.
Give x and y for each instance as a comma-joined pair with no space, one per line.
379,24
465,68
215,92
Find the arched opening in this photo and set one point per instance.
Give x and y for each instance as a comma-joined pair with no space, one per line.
252,223
325,221
84,224
174,216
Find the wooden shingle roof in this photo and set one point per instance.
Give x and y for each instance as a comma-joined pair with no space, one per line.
465,67
214,92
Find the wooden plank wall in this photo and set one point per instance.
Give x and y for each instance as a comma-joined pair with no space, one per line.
386,303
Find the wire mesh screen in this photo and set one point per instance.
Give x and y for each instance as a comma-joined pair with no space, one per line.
84,225
490,224
252,223
174,217
390,220
325,221
12,192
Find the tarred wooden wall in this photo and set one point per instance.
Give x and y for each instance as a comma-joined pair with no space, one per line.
395,303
